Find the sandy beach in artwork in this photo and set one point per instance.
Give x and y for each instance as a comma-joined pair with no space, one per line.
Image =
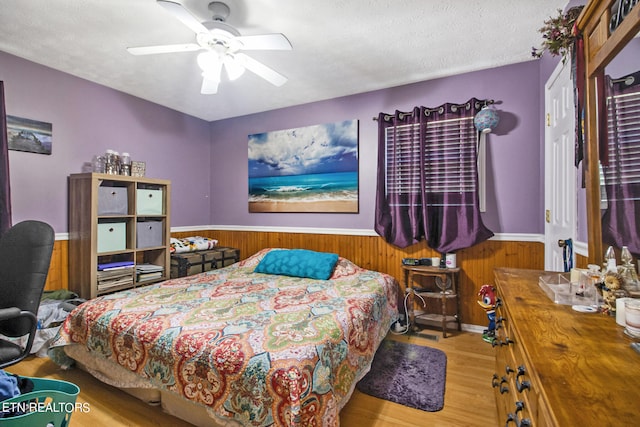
344,206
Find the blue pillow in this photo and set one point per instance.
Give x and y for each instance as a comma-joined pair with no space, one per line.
298,263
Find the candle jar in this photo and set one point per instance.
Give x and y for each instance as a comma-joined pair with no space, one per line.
632,316
98,164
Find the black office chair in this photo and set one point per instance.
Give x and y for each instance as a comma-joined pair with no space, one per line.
25,254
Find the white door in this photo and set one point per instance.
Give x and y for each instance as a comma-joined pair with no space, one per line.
560,172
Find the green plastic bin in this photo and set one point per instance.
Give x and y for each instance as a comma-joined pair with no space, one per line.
50,404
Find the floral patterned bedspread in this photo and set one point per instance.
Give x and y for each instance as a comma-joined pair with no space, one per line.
260,349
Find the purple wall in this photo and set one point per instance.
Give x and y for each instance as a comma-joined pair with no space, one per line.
88,119
515,196
207,162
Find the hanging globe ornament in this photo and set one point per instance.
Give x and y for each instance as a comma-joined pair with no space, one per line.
486,120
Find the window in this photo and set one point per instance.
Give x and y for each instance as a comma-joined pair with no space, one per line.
428,177
451,160
620,165
623,140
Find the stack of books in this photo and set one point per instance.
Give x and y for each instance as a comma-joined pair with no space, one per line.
114,275
147,272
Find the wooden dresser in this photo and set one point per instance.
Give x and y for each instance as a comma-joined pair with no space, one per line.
559,367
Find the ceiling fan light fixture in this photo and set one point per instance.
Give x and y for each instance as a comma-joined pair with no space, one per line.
208,60
233,68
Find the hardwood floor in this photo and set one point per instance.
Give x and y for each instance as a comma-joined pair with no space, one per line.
469,399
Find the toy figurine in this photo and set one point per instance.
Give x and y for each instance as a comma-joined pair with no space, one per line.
611,288
488,302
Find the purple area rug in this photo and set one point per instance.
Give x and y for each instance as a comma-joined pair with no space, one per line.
408,374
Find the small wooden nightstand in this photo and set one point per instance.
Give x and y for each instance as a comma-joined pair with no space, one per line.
448,277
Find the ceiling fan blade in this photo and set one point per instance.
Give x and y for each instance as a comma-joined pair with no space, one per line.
265,42
261,70
177,10
169,48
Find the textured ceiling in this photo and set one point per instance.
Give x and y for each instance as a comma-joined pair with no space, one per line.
340,47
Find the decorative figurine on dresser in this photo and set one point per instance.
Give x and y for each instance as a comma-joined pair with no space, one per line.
487,301
612,288
618,280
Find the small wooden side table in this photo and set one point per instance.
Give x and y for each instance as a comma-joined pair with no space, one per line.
445,275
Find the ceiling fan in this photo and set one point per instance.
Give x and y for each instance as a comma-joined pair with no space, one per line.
221,45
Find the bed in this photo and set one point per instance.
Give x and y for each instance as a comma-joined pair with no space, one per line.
242,347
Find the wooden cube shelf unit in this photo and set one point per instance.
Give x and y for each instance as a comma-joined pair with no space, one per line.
117,219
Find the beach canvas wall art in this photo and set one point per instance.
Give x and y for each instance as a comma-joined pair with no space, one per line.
306,169
29,135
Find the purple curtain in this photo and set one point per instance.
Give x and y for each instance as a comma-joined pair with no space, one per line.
399,210
428,194
621,218
578,77
5,187
453,219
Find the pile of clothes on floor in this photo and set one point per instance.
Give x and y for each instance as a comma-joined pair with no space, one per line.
54,307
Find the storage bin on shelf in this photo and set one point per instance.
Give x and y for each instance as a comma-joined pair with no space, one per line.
149,201
112,200
112,236
51,403
149,234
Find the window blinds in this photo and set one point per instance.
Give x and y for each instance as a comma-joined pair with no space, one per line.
449,158
624,140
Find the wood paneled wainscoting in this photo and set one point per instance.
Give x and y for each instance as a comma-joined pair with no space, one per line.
371,252
58,276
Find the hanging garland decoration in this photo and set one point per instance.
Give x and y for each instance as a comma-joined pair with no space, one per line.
558,34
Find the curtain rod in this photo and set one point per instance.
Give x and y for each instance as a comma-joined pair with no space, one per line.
429,110
628,80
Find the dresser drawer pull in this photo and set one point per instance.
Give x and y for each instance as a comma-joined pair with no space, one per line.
507,341
522,385
525,422
503,387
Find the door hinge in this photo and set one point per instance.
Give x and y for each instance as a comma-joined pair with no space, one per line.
547,215
548,119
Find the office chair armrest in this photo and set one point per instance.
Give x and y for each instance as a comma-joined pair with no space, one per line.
9,313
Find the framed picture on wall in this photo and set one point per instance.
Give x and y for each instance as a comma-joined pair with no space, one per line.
29,135
306,169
